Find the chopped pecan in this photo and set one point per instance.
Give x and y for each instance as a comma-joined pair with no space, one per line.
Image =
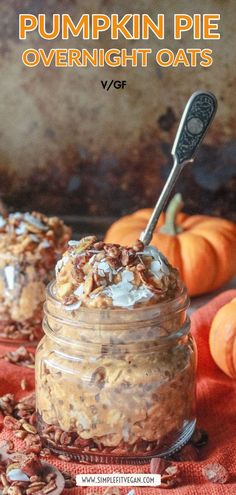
98,245
140,267
31,465
170,474
138,246
171,477
21,357
98,377
7,403
65,438
113,252
127,256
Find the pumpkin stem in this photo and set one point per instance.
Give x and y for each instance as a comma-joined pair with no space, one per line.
172,210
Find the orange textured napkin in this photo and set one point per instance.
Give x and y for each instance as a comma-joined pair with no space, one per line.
216,412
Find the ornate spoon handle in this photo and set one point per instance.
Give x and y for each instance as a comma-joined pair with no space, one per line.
196,118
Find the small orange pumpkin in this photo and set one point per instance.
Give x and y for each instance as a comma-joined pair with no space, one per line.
222,338
203,248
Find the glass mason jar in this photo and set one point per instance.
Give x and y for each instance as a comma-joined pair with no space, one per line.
23,280
116,385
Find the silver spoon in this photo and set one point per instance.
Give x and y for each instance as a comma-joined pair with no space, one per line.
197,116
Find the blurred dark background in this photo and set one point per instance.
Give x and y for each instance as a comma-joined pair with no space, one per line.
68,147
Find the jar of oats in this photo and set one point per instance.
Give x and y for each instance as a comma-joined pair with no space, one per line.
30,245
115,371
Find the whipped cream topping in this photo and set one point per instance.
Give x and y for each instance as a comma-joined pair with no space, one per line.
96,274
125,294
2,222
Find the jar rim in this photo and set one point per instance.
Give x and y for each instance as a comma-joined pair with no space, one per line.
98,323
179,303
182,297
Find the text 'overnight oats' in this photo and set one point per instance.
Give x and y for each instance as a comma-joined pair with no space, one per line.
30,244
115,373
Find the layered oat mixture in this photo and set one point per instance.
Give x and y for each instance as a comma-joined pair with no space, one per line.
30,244
112,376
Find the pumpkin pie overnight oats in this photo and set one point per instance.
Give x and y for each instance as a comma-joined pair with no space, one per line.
30,244
115,372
